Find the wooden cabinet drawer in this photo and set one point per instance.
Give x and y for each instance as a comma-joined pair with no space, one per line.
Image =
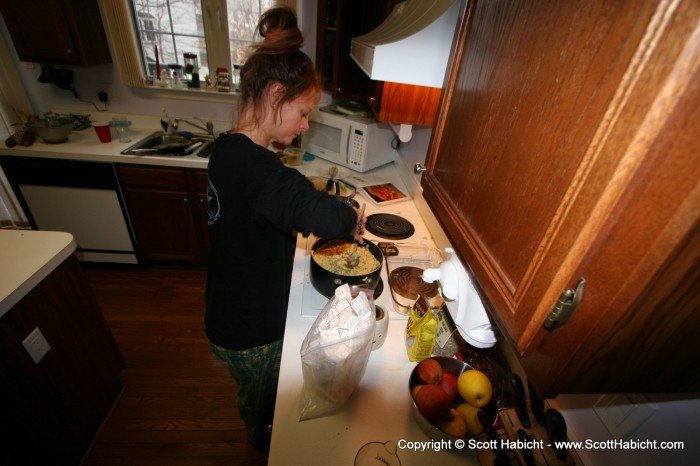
153,177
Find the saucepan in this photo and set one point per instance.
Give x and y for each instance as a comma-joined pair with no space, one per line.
333,253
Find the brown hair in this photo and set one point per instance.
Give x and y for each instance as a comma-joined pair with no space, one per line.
276,59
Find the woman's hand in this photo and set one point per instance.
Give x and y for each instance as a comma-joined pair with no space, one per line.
359,229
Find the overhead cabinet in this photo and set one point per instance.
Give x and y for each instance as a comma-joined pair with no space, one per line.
338,22
566,148
57,31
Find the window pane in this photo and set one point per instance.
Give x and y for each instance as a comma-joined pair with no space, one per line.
175,27
243,16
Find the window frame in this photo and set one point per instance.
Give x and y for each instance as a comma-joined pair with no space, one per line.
119,22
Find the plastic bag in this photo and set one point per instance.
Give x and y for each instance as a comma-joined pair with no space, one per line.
334,353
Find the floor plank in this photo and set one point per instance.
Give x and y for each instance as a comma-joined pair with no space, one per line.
178,402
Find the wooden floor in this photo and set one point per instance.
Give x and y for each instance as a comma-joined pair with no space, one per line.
177,406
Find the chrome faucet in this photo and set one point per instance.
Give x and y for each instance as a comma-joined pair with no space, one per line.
207,126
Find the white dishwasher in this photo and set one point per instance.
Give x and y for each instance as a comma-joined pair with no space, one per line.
82,198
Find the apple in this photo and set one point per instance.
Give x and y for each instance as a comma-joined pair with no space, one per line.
433,403
470,415
475,387
449,384
414,390
454,425
429,371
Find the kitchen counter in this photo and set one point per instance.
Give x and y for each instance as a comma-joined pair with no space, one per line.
27,257
379,409
84,145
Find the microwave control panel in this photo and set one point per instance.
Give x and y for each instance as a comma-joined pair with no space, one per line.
358,144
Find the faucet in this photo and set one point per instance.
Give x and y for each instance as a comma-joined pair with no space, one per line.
207,126
166,123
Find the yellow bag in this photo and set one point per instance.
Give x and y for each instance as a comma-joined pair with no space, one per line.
420,331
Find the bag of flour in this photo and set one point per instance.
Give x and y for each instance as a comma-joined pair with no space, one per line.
334,353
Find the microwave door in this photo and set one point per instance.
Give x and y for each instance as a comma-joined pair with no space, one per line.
326,141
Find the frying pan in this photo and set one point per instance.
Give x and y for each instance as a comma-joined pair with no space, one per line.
176,147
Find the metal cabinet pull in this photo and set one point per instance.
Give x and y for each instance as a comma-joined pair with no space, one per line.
565,306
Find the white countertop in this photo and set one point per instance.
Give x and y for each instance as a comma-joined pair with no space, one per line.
26,258
379,409
84,145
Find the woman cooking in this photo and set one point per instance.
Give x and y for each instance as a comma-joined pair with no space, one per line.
255,203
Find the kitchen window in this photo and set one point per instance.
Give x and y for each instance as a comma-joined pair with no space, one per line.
216,32
171,31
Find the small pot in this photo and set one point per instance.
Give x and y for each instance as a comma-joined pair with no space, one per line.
325,281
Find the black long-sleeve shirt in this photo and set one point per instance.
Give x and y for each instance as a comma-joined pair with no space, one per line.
255,203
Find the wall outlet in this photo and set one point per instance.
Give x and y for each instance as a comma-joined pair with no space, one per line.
622,414
36,345
104,92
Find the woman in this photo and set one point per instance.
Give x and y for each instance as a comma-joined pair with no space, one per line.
255,203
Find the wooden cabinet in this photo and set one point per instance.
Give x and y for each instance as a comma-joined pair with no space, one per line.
57,31
566,146
52,410
338,22
168,210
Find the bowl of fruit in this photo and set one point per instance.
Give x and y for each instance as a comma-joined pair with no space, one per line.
446,397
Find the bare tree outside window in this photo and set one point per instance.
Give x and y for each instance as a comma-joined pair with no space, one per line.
176,27
243,16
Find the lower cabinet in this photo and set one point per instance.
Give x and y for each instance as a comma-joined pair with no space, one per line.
168,210
52,410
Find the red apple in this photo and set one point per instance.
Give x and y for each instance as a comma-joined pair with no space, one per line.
433,403
449,384
429,371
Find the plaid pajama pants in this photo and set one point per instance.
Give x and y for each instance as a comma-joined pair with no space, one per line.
256,372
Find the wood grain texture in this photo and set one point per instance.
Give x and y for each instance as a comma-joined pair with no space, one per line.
408,104
178,403
566,146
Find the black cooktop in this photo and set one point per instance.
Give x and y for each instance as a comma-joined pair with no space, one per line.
389,226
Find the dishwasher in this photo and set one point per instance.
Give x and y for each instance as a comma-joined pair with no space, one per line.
78,197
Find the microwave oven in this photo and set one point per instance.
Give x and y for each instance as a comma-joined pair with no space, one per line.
357,143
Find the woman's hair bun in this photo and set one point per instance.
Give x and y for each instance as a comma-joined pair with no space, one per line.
280,32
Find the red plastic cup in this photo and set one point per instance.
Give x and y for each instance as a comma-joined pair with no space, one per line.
103,131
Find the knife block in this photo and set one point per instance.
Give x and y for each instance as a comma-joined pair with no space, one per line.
543,456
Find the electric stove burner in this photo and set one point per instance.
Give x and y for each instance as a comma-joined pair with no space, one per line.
389,226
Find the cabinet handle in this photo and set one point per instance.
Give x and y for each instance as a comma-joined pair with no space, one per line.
69,51
185,200
565,306
418,168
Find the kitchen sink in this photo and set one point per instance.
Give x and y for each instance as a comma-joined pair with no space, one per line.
163,145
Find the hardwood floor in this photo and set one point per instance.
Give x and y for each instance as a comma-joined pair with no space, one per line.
177,406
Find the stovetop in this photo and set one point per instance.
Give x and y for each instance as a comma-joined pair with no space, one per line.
314,302
389,226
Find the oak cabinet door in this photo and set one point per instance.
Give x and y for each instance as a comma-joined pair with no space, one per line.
164,224
553,119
